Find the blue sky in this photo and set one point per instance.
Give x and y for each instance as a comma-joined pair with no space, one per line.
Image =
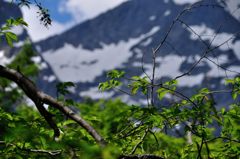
65,14
52,5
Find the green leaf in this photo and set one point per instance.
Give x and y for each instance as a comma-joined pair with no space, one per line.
21,21
137,78
204,91
63,87
43,141
229,81
68,122
161,93
69,102
134,89
234,95
115,74
10,37
11,124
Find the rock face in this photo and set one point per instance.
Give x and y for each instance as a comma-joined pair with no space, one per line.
119,38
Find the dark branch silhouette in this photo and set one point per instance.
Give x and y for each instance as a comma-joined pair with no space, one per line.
40,98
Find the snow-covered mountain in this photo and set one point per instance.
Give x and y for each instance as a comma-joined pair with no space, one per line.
232,6
119,38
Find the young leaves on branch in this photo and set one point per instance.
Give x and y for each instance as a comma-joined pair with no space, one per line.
113,82
42,11
167,87
235,83
5,30
139,83
63,87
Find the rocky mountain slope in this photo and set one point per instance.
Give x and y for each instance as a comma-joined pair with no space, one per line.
119,38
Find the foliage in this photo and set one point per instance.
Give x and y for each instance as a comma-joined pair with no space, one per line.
124,126
190,127
23,63
6,30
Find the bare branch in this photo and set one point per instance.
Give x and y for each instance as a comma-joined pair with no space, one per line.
204,56
141,140
49,152
147,156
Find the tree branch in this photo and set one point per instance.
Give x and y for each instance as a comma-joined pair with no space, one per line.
147,156
140,142
40,98
49,152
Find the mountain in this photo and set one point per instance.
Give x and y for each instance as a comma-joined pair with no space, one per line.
119,38
232,6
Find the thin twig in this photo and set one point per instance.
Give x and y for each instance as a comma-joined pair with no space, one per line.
182,95
204,56
49,152
153,77
120,90
154,137
140,142
223,68
223,138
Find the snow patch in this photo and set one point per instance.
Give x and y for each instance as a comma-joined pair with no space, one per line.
233,8
11,87
68,61
3,59
36,59
138,53
29,102
216,71
208,34
137,64
190,59
222,59
190,81
168,67
18,30
167,13
152,18
146,42
43,66
181,2
95,93
18,44
234,68
50,78
144,101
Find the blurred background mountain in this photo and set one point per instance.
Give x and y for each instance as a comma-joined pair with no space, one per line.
84,50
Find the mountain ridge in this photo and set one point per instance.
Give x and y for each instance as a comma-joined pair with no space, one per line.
119,38
99,38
